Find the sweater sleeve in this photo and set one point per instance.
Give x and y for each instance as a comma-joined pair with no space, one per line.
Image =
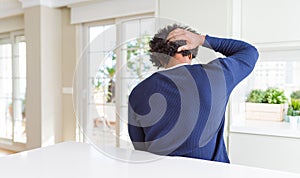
240,59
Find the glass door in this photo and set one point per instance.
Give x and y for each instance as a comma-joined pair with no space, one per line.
13,88
115,59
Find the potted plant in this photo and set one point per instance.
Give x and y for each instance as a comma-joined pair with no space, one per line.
266,105
295,95
293,113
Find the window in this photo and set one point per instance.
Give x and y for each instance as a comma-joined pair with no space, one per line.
12,88
116,59
275,68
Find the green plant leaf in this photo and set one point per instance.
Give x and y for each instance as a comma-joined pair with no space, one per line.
295,95
271,96
295,104
275,96
256,96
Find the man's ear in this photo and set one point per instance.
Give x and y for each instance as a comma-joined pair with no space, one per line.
190,56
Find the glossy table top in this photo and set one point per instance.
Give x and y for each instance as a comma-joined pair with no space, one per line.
80,160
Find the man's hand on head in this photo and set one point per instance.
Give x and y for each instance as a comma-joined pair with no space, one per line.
193,40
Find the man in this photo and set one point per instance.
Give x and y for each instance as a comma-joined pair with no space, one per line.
180,111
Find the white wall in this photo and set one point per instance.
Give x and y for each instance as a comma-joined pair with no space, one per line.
270,20
12,24
207,16
255,21
103,10
33,73
68,70
51,71
44,55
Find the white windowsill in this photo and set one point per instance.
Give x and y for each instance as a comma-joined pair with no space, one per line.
279,129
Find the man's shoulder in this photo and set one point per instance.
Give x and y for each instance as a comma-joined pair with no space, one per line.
149,80
146,83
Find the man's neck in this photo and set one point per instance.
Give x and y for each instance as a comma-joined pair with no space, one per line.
173,63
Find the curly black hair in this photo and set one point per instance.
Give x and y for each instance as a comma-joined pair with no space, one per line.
161,50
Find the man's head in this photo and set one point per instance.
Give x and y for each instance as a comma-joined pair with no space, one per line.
162,50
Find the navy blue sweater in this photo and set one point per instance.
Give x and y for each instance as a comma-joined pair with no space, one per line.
181,111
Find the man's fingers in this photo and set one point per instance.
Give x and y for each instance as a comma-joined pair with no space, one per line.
192,39
183,48
175,33
180,34
179,37
175,36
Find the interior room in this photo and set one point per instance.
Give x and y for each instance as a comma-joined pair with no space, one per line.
67,68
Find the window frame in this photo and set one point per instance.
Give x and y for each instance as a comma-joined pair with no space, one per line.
265,50
7,143
85,69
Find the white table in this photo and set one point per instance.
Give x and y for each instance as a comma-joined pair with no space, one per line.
79,160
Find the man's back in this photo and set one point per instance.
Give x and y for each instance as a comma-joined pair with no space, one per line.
174,106
180,111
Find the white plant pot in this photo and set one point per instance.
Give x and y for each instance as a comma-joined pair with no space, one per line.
293,121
